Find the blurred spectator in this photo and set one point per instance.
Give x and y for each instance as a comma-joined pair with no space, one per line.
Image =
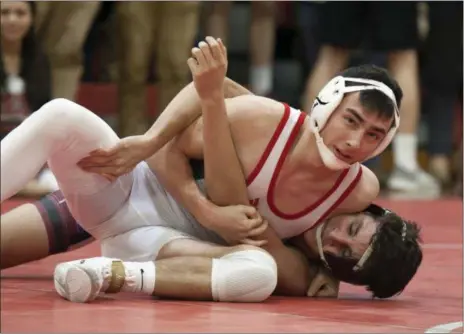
24,78
441,64
262,38
169,29
308,15
390,27
62,27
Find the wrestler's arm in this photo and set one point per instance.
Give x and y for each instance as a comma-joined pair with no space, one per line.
181,112
171,163
225,182
294,270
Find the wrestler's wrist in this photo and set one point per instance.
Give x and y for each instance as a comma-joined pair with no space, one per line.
204,211
213,98
149,144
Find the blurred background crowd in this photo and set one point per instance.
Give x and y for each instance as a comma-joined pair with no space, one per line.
126,60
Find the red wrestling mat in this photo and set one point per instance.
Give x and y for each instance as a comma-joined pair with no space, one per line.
433,299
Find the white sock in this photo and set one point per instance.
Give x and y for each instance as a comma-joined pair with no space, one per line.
261,79
405,151
140,277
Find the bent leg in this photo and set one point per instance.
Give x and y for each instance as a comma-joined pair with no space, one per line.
61,133
184,268
36,230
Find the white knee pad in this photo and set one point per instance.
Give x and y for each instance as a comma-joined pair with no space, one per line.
244,276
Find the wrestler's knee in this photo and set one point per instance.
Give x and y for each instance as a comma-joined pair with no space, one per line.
246,274
59,108
64,119
61,114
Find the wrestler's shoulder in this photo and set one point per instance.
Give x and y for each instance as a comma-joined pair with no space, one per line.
365,192
368,187
369,182
258,107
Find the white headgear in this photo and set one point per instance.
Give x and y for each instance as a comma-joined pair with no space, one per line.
329,99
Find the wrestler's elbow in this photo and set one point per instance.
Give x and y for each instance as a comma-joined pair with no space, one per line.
224,195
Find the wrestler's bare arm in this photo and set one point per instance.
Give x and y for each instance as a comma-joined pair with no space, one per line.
182,111
224,178
248,115
225,182
294,270
176,117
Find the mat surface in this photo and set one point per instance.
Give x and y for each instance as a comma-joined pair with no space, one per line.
432,303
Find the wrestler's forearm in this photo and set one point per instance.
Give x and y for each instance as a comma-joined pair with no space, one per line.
226,185
174,172
224,178
181,112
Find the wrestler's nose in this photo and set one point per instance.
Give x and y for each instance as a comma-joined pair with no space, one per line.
337,237
354,141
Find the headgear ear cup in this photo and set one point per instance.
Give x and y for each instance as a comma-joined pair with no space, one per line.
327,101
330,98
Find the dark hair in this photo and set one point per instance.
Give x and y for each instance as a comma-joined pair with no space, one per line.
393,261
395,257
375,100
35,69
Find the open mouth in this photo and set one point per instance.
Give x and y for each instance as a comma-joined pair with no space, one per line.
342,156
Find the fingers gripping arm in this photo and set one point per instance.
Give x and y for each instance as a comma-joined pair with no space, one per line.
172,167
171,164
226,185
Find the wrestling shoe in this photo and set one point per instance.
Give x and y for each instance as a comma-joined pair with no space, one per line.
81,281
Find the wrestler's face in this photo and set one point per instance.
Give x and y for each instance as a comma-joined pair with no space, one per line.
345,235
352,132
16,20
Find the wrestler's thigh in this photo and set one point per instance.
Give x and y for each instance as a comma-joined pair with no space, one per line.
152,243
190,246
139,244
23,236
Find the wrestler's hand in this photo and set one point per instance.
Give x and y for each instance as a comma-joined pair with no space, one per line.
238,224
117,160
324,285
208,65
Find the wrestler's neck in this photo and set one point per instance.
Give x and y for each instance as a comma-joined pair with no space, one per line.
305,155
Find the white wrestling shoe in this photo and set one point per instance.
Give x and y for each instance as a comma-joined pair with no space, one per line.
81,281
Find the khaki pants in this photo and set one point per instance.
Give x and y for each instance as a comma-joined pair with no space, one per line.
62,28
167,29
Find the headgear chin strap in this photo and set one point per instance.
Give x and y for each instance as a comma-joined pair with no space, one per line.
329,99
346,269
